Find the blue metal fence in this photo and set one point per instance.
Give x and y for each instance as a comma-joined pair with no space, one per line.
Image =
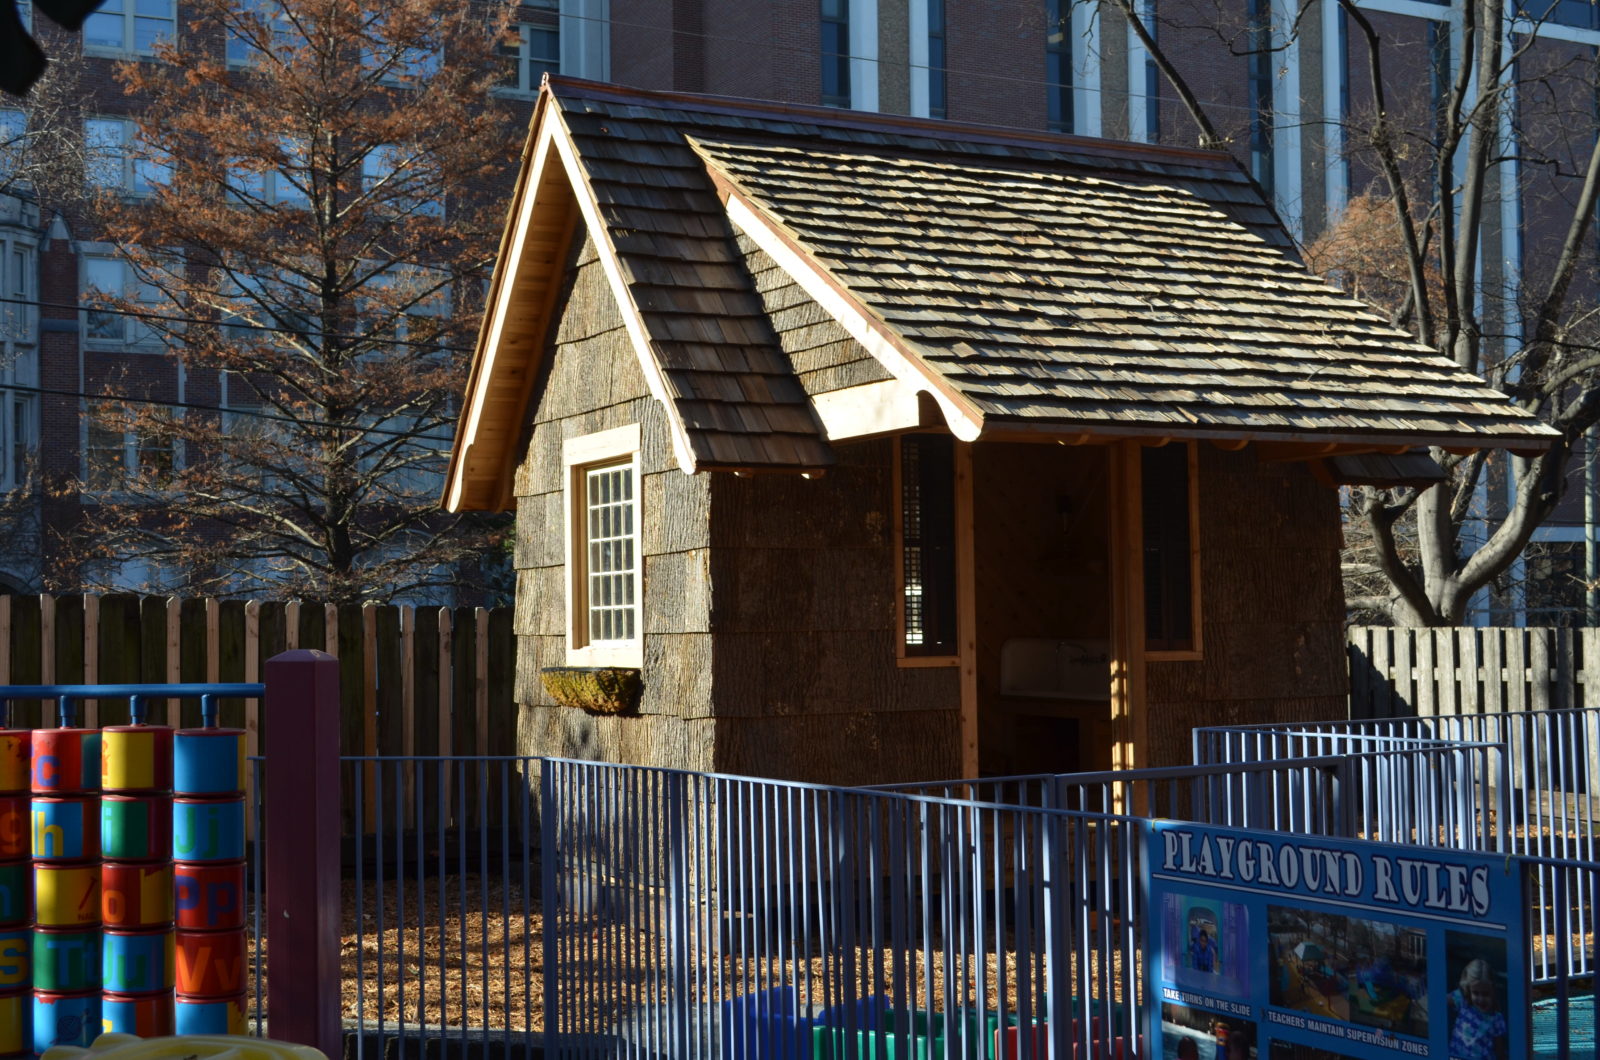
697,915
1540,790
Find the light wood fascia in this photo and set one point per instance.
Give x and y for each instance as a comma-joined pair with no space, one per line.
883,342
871,408
501,285
967,607
589,205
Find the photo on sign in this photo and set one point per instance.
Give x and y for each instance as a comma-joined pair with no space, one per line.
1213,954
1294,1051
1476,969
1334,967
1192,1034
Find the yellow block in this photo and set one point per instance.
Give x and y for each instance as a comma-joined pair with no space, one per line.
222,1047
127,761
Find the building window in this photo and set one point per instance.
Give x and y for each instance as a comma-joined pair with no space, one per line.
1152,79
927,537
836,53
246,47
117,454
285,185
937,107
604,567
108,280
1058,64
13,144
117,159
393,174
1170,556
19,356
532,52
1260,71
130,27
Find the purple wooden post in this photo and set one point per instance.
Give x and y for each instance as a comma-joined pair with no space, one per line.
302,807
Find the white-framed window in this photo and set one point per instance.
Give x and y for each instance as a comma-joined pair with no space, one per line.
285,185
116,453
116,159
130,27
390,173
19,355
241,50
398,60
13,141
107,277
605,583
533,51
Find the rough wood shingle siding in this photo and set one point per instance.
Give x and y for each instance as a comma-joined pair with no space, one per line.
733,391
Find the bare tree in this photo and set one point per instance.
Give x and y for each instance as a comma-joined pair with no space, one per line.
313,239
1415,243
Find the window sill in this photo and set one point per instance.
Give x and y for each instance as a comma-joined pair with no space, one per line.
93,51
1187,655
621,653
922,662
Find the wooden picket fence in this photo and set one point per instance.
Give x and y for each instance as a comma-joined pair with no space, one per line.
414,680
1471,670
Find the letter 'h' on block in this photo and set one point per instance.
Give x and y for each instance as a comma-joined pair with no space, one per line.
302,858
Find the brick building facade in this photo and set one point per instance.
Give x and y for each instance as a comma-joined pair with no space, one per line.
1284,103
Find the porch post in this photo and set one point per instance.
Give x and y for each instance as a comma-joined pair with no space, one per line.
302,856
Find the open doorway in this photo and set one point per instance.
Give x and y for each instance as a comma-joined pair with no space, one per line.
1042,572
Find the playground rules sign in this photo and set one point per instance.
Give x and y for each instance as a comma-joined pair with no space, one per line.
1272,946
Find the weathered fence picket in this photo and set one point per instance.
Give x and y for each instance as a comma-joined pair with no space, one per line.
1471,670
413,680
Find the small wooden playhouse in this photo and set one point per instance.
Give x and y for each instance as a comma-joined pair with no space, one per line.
880,449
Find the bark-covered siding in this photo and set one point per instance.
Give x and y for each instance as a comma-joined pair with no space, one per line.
825,357
805,680
591,381
1272,607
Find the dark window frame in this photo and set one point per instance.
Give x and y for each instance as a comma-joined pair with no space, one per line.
835,47
1058,64
1170,551
927,585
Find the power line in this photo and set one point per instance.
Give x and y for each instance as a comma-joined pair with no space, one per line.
143,315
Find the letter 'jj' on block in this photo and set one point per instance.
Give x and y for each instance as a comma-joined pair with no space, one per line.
208,829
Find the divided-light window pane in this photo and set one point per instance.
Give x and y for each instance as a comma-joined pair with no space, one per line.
103,277
612,574
134,26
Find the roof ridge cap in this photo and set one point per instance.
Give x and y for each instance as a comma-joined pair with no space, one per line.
571,88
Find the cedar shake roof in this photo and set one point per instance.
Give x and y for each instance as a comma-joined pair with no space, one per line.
1028,282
